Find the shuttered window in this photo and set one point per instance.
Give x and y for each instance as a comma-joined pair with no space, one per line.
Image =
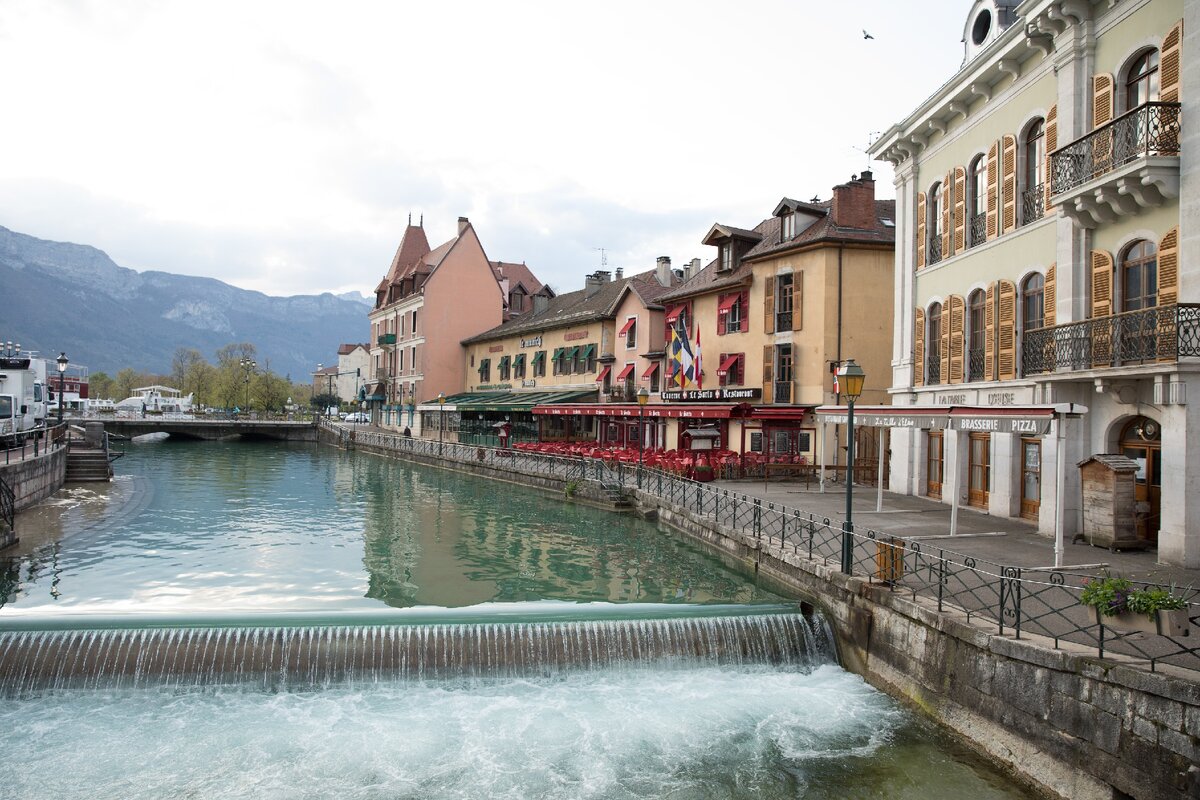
960,209
1051,146
769,305
989,341
768,384
993,191
1008,181
1006,330
919,347
1169,73
957,337
1102,274
920,229
1168,268
1050,297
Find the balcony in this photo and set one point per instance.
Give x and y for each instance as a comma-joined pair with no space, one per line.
1120,169
933,372
386,338
783,392
383,374
1033,203
1161,334
975,363
933,250
621,393
783,320
977,234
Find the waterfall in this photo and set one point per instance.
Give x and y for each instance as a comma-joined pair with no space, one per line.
292,656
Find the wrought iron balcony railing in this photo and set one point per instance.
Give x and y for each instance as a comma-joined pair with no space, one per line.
783,392
783,320
1033,203
933,372
1152,129
975,364
1163,333
933,250
978,231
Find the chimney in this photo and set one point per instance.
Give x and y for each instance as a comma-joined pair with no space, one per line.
593,282
853,203
663,270
463,222
540,303
620,273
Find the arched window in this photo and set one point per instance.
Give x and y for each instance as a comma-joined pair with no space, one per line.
977,179
933,344
934,225
1139,276
1141,80
1033,302
1033,147
977,333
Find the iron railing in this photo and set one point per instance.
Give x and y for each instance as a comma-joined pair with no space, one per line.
933,372
783,320
782,392
1162,333
1012,600
8,505
977,234
1033,203
933,250
1151,129
975,362
32,443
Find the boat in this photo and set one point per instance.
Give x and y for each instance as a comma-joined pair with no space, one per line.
158,399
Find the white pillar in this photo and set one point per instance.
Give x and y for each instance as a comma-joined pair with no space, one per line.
1180,454
1004,495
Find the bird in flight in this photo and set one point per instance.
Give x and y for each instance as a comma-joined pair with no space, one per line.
867,35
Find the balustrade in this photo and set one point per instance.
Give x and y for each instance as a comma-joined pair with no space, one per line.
1152,129
1163,333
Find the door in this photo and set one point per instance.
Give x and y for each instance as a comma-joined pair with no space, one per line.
1142,441
979,469
1031,478
934,460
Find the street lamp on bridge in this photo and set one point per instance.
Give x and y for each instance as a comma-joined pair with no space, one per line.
850,383
62,361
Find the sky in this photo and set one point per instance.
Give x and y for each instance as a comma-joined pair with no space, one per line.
281,146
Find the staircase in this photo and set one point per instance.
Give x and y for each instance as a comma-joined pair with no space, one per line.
87,464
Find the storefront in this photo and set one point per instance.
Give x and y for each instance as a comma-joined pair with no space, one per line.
473,417
616,424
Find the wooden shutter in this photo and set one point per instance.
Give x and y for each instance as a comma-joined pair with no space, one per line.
744,317
1168,70
721,317
960,209
947,221
769,305
768,388
993,191
958,313
1102,99
944,344
919,347
798,302
1051,140
920,229
1008,179
989,338
1168,268
1050,297
1102,274
1006,330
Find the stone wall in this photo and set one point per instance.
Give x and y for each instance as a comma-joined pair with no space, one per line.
35,479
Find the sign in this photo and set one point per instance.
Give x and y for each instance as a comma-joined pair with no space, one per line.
575,336
529,383
535,341
503,386
496,348
1028,426
920,422
722,395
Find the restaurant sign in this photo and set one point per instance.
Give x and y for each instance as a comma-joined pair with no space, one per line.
721,395
533,341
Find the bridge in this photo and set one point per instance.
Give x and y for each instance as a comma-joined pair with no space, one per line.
185,427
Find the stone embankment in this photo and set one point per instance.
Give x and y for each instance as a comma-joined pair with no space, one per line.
35,478
1062,720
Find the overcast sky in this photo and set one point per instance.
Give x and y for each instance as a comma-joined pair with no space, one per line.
280,146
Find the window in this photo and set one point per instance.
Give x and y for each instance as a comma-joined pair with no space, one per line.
401,360
485,370
933,209
412,358
1033,204
977,335
589,358
655,378
933,345
730,313
1139,276
504,368
519,366
1141,82
400,320
413,327
539,364
788,226
732,369
977,178
516,301
733,318
629,331
1033,309
784,373
727,256
783,302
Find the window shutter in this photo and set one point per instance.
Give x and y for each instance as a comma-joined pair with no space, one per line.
768,388
1051,130
1006,324
798,301
1102,99
721,317
944,344
993,191
769,305
1102,273
1168,268
721,381
1008,166
920,229
958,319
947,220
744,318
1169,64
919,347
989,338
1049,297
960,209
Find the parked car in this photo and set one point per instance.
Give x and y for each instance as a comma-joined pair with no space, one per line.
358,417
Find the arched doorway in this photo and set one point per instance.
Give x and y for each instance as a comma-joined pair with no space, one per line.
1141,440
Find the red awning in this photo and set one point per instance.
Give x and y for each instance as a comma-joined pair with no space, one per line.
673,314
728,303
629,323
604,373
729,361
653,367
625,373
696,411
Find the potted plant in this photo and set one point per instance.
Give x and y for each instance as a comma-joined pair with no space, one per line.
702,473
1120,605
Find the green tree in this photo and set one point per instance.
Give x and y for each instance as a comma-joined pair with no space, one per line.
100,387
230,381
126,381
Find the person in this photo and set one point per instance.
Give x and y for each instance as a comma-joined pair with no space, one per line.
143,409
407,432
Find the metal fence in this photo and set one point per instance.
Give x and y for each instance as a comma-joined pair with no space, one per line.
1161,333
1152,129
1014,600
33,443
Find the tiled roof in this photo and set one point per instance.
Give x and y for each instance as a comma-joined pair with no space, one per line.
516,273
413,245
347,349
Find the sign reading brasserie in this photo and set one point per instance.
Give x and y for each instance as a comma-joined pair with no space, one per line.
492,386
722,395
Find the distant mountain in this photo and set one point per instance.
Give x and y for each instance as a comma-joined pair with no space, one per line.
56,296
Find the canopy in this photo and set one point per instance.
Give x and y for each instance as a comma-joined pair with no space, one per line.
727,364
587,350
519,360
728,303
650,370
629,323
504,360
674,313
652,410
509,401
603,373
625,373
1030,420
540,355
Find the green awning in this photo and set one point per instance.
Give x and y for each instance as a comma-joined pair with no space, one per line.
588,350
558,351
540,355
571,353
504,362
485,364
519,360
517,401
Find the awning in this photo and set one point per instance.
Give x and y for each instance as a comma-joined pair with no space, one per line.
474,402
650,371
674,313
728,303
603,373
571,353
558,351
727,364
504,361
629,323
653,410
376,394
540,355
1030,420
625,373
484,364
587,351
518,360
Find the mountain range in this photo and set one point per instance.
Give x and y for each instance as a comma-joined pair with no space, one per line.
57,296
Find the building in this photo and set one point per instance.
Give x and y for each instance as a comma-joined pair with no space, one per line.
1047,214
429,301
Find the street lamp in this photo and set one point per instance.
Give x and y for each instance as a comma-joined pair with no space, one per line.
643,397
62,378
441,398
249,366
850,382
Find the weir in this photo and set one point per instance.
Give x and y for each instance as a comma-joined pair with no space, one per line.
307,651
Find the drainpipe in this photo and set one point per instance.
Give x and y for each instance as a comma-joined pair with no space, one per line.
837,398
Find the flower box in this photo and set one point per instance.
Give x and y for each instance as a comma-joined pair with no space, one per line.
1172,622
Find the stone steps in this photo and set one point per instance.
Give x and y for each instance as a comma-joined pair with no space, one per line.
87,466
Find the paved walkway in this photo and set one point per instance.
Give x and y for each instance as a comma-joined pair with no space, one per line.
1018,543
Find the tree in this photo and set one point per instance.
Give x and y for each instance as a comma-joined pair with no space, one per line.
230,383
126,381
100,387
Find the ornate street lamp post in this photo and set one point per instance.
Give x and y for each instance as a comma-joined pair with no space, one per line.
643,397
441,398
850,382
62,378
248,366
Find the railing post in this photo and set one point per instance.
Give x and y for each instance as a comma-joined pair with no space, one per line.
757,518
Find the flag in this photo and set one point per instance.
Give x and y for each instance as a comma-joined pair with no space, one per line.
673,358
681,358
699,371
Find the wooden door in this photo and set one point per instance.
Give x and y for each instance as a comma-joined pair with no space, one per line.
1142,441
1031,478
934,460
979,469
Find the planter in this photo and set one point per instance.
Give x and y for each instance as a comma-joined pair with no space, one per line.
1168,622
702,475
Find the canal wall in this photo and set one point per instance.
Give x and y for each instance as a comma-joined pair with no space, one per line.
1066,723
36,478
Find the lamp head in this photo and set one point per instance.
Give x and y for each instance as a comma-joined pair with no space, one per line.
851,379
62,362
441,398
643,396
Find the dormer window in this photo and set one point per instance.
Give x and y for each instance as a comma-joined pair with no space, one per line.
788,222
727,256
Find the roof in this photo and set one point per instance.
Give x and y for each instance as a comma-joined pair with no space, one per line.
516,274
347,349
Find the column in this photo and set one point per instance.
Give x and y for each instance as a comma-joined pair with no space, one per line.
1004,495
1180,481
